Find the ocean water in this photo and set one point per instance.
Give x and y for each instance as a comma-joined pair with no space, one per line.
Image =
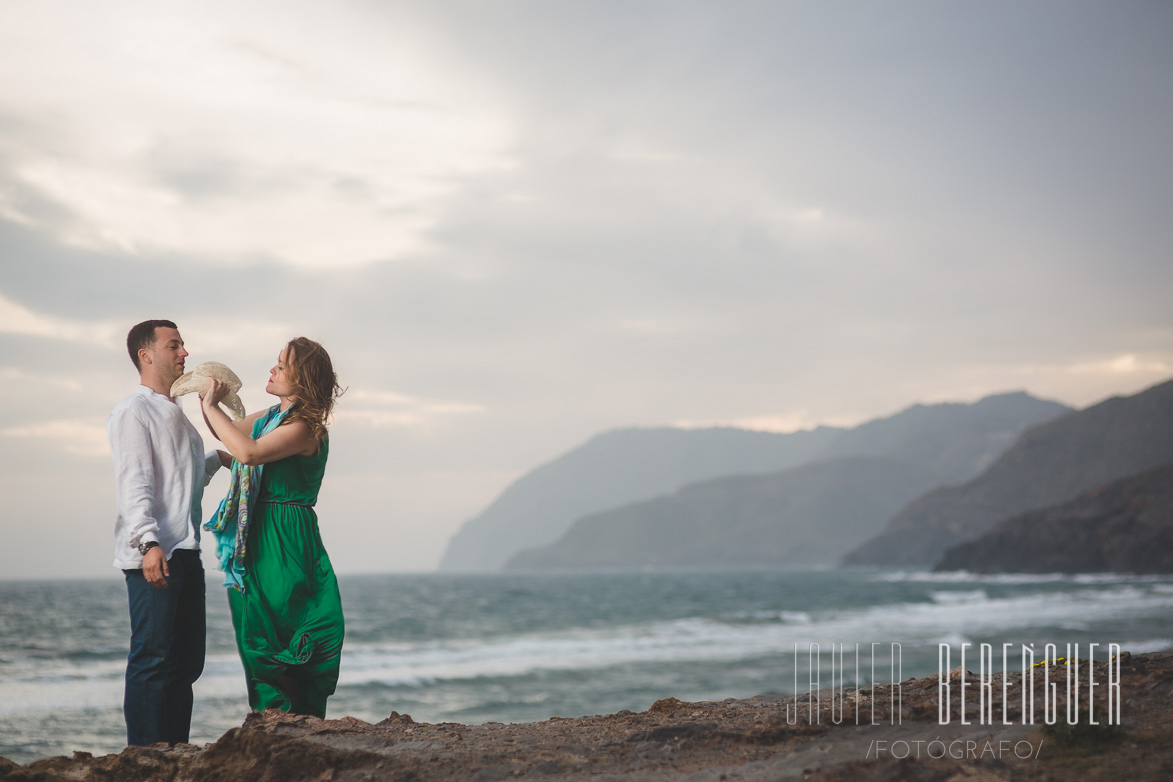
519,648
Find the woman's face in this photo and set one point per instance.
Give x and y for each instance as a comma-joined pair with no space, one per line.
278,385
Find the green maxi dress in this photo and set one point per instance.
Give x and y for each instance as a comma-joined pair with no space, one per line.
288,615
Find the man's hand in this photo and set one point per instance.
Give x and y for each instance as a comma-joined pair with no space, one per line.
155,568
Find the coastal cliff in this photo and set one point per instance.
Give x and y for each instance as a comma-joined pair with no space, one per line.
1051,463
1122,527
810,515
948,443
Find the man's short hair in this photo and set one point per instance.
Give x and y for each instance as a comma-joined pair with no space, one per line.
143,336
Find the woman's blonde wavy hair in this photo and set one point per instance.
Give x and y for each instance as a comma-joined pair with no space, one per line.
315,386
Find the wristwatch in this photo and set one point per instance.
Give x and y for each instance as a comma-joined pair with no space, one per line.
146,546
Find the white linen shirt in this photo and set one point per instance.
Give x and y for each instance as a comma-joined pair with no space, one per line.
160,471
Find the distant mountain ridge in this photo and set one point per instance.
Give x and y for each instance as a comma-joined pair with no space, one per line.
616,468
1050,463
952,441
1123,527
808,515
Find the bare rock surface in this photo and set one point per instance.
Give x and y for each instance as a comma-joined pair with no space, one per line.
763,738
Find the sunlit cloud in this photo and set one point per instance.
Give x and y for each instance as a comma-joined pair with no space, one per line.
633,150
1127,364
18,319
75,436
799,421
653,326
808,216
29,379
211,130
388,398
798,226
385,409
1077,383
10,210
212,335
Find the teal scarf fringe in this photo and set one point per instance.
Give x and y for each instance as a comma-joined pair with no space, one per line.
230,524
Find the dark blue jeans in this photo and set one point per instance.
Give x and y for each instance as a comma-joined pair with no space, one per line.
167,633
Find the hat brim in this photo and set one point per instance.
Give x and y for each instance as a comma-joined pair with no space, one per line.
234,405
190,382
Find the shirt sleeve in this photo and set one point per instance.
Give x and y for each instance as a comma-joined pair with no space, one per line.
134,476
211,464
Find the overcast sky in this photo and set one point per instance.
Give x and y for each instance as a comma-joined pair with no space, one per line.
515,225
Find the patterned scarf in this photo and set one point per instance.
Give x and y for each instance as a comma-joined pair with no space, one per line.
230,524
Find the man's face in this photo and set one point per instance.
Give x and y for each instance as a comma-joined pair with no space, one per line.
167,354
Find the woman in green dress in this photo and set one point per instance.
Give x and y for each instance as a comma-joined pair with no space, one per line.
286,608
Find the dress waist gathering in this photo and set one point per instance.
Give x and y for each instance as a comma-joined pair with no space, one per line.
294,503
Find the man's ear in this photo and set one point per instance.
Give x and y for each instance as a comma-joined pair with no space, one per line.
144,356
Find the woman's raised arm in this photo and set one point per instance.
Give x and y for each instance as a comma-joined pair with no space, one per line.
245,425
294,438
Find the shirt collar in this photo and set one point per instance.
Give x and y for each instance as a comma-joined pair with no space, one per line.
153,394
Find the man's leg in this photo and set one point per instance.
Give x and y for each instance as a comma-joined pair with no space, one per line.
152,613
186,656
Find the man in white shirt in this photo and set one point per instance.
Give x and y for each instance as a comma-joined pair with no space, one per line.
160,470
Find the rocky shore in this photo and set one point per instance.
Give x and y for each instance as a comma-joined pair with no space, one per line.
896,736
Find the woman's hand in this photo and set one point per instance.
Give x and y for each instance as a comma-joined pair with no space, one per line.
213,395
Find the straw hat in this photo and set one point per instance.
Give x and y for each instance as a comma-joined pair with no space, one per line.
197,381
